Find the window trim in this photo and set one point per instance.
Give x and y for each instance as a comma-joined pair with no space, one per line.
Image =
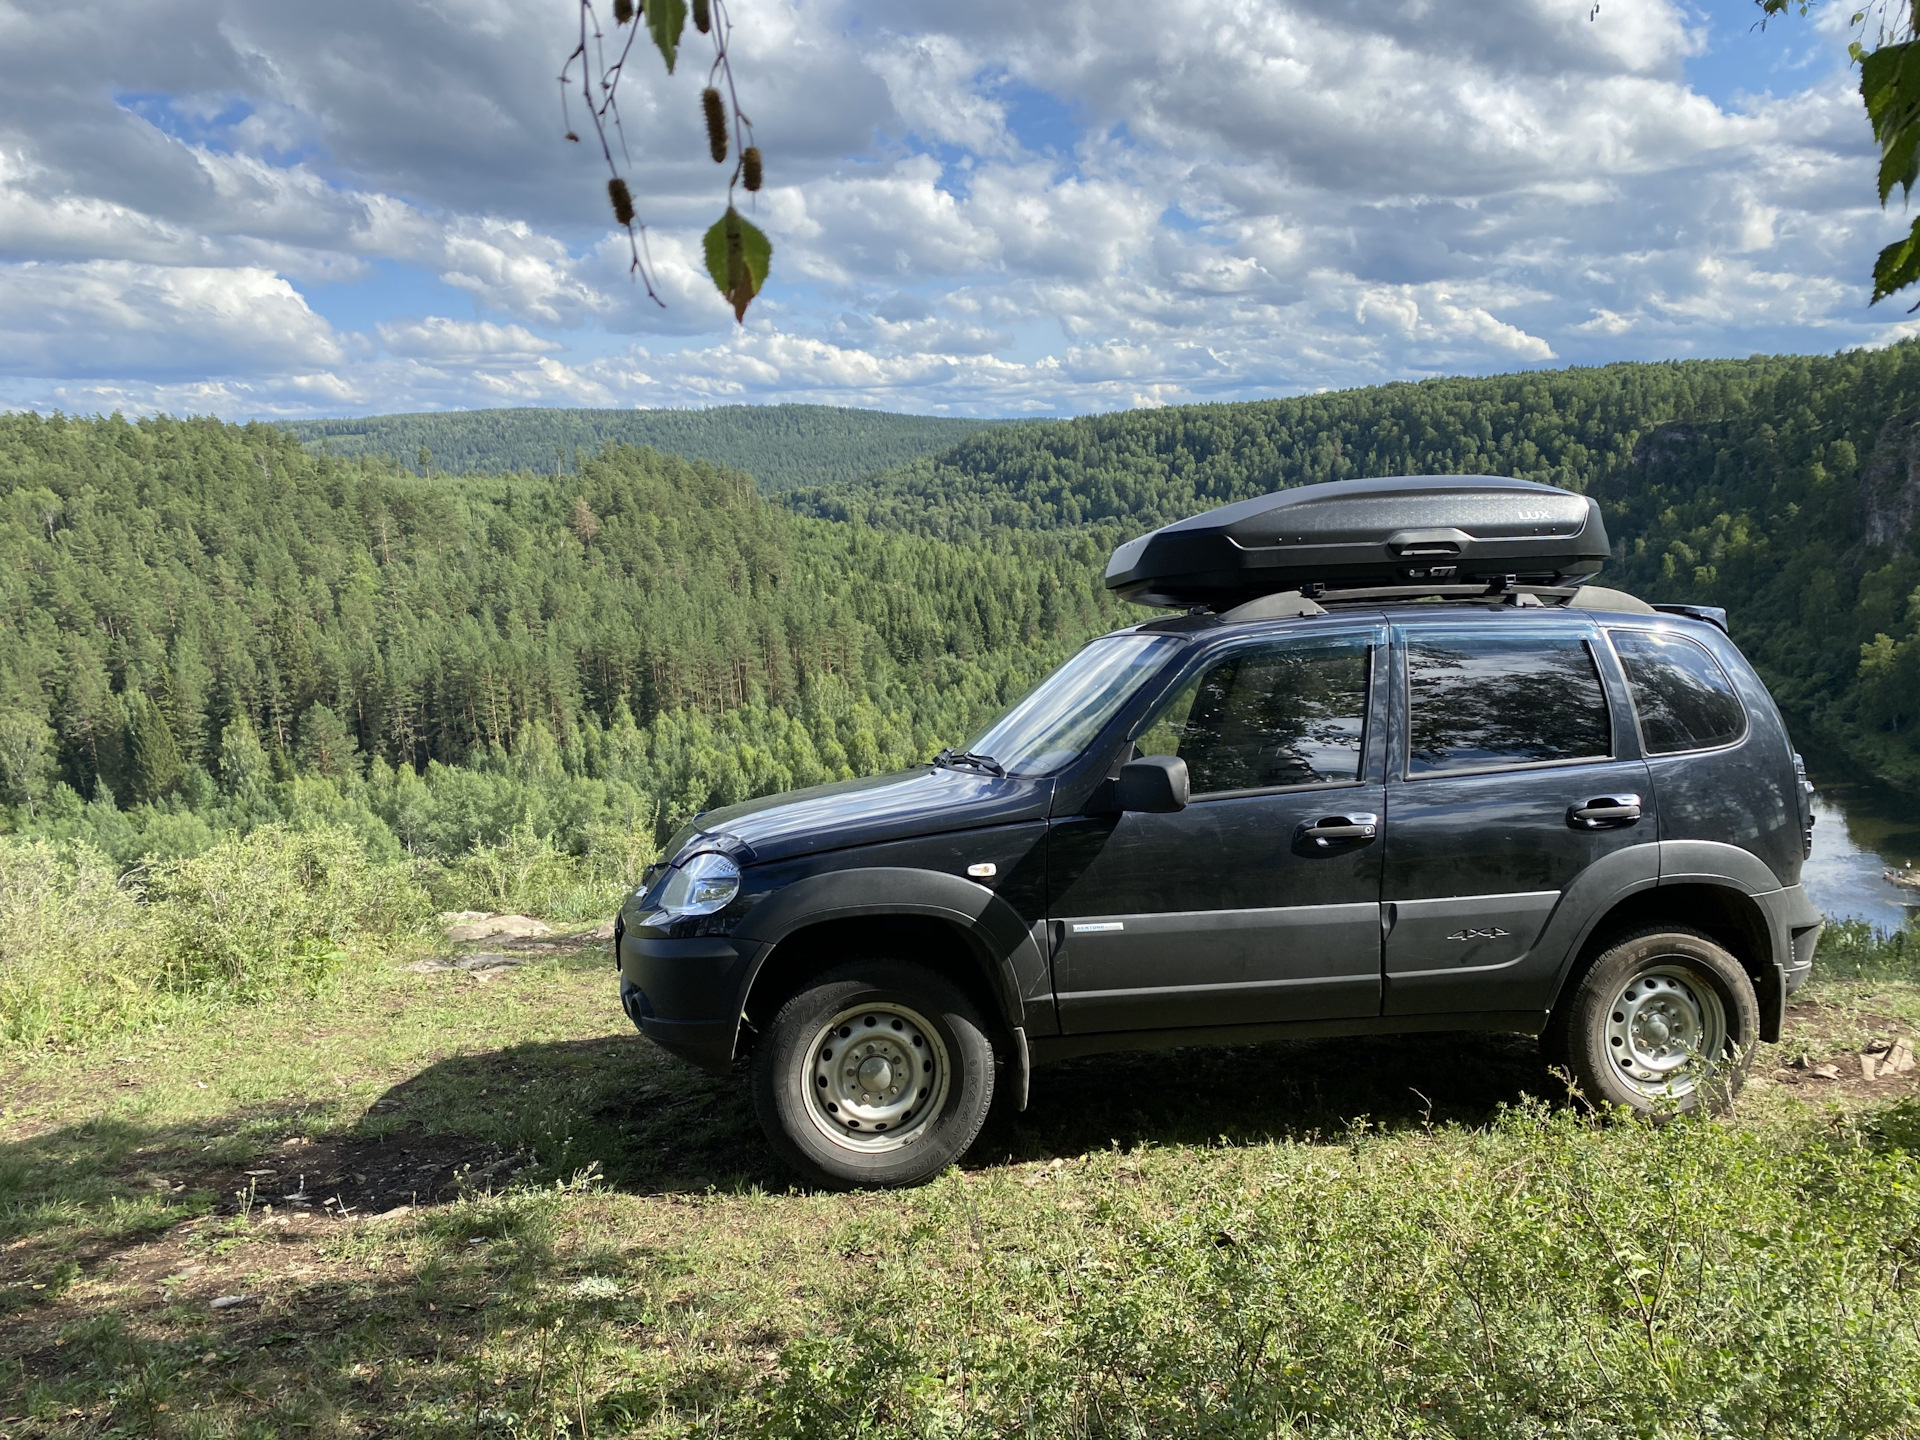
1371,641
1647,752
1405,638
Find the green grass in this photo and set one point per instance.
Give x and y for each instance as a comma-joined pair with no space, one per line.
1389,1237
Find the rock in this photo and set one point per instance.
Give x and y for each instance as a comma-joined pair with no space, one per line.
227,1302
485,961
1827,1072
600,932
521,927
1899,1059
1868,1065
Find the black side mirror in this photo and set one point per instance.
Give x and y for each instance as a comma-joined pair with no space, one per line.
1157,785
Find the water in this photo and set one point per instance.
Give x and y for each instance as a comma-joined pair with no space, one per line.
1862,829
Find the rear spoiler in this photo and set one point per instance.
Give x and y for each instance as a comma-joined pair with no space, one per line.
1714,615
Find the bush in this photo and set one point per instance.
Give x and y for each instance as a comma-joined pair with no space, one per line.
74,954
85,952
528,873
1853,949
257,911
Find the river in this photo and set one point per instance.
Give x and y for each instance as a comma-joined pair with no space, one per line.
1861,830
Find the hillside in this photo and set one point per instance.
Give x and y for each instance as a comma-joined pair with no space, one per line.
209,626
1786,489
781,446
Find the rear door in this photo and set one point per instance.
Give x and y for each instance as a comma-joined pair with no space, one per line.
1514,768
1260,900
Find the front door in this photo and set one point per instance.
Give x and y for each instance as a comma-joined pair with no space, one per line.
1508,782
1260,900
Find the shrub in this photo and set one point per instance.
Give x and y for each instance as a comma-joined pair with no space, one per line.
528,873
275,906
75,956
1854,949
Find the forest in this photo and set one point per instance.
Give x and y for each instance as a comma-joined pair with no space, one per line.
209,627
1784,488
781,446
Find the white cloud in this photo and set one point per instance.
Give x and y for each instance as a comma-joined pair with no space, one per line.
998,208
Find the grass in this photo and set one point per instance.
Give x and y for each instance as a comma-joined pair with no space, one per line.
1356,1237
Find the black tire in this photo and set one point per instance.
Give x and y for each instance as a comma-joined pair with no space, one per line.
893,1017
1653,999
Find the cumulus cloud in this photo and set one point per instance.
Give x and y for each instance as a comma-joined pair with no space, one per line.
998,208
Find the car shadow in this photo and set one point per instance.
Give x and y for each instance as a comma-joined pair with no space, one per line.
645,1123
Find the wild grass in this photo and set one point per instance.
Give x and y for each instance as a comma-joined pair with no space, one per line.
1857,950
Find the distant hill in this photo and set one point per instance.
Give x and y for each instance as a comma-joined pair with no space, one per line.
1785,488
781,446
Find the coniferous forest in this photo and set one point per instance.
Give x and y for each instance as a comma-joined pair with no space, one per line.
212,627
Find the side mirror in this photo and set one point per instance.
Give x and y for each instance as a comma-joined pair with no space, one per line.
1157,785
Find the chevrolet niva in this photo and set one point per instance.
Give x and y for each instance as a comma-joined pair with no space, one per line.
1396,767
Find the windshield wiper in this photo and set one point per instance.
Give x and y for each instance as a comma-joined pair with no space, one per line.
964,760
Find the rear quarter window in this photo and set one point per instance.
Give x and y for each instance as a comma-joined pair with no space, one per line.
1682,696
1490,702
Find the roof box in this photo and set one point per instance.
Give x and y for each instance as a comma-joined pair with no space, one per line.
1353,534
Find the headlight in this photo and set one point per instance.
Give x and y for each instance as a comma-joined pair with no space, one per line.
700,885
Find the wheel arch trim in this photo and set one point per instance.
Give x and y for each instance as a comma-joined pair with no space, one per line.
1002,943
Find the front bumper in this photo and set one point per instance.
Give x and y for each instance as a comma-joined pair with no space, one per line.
683,994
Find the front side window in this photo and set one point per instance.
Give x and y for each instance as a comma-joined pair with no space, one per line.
1061,716
1489,702
1684,699
1282,713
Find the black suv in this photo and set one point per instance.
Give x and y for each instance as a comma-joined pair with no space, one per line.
1435,782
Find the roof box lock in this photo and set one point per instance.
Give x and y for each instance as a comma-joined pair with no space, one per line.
1416,544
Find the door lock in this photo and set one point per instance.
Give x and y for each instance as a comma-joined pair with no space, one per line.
1608,812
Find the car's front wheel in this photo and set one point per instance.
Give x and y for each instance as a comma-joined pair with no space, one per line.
876,1073
1665,1020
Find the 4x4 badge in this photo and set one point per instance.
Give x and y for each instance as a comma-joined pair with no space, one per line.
1492,932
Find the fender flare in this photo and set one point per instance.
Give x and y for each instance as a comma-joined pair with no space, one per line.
1002,940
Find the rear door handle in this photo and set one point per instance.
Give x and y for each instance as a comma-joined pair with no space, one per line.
1336,830
1608,812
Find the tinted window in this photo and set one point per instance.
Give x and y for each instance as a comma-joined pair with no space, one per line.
1282,713
1683,697
1484,701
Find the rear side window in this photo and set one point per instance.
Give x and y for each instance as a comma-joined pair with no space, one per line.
1489,702
1684,699
1284,713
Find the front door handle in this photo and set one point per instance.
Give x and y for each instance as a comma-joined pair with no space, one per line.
1608,812
1336,831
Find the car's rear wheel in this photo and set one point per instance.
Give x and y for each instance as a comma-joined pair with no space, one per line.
877,1073
1663,1021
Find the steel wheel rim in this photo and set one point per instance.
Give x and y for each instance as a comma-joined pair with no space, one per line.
1665,1028
876,1075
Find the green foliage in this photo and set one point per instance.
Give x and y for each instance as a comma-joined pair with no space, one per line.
1853,949
233,632
1543,1277
781,446
737,255
84,951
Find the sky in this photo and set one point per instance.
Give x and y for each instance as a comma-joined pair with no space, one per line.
256,208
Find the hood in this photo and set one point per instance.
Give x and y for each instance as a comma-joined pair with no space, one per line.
867,812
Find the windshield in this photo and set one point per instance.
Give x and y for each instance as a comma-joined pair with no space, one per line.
1058,720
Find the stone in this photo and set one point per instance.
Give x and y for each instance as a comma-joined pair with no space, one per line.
1899,1059
518,927
1827,1072
1868,1065
227,1302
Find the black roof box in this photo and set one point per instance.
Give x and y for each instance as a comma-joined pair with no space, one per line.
1347,534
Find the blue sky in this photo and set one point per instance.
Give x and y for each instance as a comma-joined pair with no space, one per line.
213,206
